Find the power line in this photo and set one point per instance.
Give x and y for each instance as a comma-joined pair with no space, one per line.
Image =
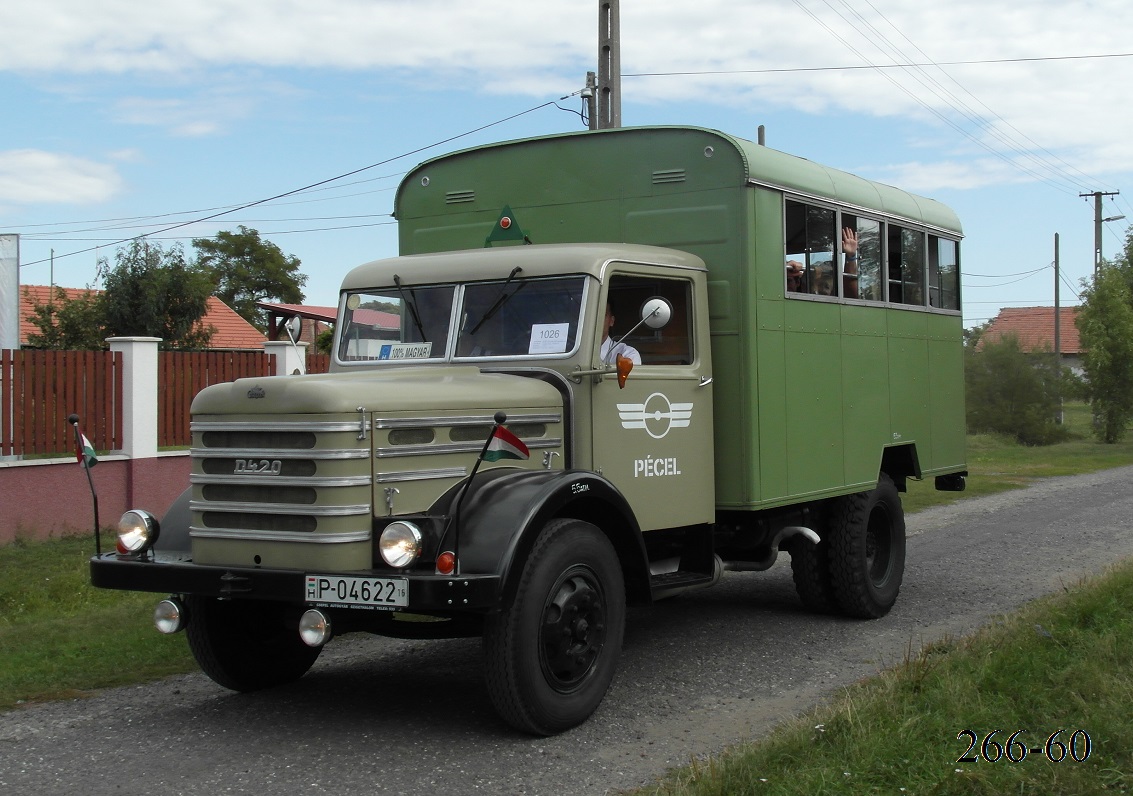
876,67
295,191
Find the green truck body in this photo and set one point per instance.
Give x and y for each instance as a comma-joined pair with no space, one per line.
756,412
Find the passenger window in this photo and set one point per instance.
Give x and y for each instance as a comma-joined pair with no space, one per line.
943,273
671,345
906,265
862,279
810,238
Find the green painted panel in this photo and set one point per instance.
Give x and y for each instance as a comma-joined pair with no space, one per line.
813,411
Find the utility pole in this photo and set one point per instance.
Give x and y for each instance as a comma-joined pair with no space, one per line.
609,85
1057,330
1098,224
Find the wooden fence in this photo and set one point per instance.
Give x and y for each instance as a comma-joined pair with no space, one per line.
181,375
39,389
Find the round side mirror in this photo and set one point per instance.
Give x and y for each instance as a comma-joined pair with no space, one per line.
294,327
656,313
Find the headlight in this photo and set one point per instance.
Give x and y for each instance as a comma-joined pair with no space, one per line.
400,544
137,531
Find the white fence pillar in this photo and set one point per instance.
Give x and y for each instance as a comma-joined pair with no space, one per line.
139,394
290,359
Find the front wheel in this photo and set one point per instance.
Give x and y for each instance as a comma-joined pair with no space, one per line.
551,653
246,645
867,550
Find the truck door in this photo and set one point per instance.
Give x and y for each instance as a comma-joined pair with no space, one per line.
653,439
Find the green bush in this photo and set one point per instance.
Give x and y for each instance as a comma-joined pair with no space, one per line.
1011,391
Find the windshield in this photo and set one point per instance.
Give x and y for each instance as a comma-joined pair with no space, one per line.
505,318
396,324
523,317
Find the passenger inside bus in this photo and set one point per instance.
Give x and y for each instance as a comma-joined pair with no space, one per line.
850,270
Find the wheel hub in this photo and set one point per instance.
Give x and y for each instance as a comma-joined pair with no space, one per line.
573,631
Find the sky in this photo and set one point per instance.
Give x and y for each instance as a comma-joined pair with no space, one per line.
298,118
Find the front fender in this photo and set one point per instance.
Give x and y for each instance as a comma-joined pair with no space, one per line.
174,535
505,509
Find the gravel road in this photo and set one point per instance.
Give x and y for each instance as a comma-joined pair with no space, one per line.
698,673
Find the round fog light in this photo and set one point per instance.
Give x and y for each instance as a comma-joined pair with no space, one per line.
400,544
137,531
169,616
314,628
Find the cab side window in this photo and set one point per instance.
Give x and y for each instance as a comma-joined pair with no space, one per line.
671,345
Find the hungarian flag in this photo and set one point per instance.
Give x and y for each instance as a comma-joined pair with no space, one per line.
84,451
505,445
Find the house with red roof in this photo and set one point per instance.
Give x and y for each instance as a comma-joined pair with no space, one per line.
1034,328
232,332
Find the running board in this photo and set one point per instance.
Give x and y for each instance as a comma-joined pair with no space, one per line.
670,584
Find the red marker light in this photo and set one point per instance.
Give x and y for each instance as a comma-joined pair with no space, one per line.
505,223
446,563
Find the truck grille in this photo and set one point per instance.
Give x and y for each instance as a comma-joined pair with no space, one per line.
253,479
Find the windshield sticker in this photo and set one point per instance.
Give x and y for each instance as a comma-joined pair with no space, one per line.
548,338
406,351
657,415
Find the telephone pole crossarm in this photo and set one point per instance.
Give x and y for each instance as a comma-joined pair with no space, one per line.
1098,224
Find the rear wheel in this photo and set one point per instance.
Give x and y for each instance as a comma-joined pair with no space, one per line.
551,653
867,550
810,568
246,645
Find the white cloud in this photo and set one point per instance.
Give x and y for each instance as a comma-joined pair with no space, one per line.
32,176
1081,107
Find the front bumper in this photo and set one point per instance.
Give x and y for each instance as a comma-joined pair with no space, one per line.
174,573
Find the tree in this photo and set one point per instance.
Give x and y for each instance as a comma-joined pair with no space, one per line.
246,269
1105,326
64,324
154,292
1011,391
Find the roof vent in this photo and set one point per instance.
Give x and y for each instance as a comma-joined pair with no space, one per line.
668,175
459,197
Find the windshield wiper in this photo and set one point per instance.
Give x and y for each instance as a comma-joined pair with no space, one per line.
412,304
504,297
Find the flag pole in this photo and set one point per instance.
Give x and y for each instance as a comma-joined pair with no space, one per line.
73,419
454,523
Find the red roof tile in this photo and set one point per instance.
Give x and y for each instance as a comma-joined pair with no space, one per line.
1034,326
232,331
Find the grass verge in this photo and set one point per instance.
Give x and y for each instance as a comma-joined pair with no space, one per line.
60,637
944,722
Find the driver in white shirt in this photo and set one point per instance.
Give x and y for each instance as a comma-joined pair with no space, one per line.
611,351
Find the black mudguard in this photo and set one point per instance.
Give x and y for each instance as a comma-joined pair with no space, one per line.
174,536
505,509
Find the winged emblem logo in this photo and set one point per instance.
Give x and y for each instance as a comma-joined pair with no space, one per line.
657,415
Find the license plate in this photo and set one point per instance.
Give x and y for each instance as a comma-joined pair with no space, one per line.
373,592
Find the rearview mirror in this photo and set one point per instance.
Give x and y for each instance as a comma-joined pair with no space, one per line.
656,313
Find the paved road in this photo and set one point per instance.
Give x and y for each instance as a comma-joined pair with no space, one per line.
698,672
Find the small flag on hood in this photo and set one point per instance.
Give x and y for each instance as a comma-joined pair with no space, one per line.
505,445
84,451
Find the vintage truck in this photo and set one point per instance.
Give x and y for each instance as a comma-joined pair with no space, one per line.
479,461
